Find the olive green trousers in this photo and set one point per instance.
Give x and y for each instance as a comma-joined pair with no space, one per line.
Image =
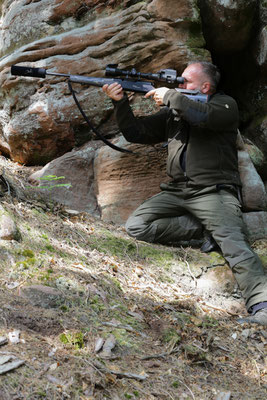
182,213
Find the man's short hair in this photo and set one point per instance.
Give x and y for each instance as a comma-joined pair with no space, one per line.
211,71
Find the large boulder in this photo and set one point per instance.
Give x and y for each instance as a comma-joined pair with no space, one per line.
253,190
69,180
256,223
232,20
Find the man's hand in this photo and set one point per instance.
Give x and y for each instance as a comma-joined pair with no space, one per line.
114,91
157,94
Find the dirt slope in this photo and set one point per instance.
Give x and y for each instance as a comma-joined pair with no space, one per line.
102,316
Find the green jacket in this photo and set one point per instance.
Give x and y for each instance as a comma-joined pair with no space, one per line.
201,137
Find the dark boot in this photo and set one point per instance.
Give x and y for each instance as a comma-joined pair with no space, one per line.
259,318
209,244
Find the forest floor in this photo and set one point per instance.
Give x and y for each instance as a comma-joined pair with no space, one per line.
89,313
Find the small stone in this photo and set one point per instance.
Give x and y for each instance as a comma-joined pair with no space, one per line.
99,344
108,346
3,340
14,337
8,228
53,367
234,336
224,396
246,333
72,212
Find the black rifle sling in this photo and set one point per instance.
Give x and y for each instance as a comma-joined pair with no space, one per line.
98,134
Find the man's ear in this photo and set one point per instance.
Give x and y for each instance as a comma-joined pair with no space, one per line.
206,88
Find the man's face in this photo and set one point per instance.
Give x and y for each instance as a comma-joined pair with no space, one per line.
194,78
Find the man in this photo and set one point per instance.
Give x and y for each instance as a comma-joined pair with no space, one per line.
202,163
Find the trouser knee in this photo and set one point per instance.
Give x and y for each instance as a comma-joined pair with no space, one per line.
137,228
164,230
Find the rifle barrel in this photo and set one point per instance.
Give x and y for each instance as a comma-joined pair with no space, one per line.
127,84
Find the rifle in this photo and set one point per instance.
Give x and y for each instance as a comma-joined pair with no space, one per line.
129,80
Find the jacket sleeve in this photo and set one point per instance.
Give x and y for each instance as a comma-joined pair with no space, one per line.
146,130
219,113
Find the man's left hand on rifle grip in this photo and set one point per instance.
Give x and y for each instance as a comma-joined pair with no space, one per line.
114,91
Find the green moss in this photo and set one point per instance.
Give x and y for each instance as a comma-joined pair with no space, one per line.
64,308
171,335
41,394
182,318
74,339
263,259
50,248
26,264
256,155
126,319
107,243
39,214
194,353
46,275
96,304
158,256
123,338
209,322
216,258
165,278
28,253
116,284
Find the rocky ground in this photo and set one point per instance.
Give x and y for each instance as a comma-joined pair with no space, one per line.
89,313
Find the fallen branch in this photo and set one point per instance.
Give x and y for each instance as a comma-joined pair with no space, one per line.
217,308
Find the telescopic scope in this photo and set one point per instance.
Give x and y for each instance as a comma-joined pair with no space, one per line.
164,75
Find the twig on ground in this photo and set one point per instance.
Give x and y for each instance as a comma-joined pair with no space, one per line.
188,388
190,272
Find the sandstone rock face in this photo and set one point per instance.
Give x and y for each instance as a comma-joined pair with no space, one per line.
124,181
39,120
